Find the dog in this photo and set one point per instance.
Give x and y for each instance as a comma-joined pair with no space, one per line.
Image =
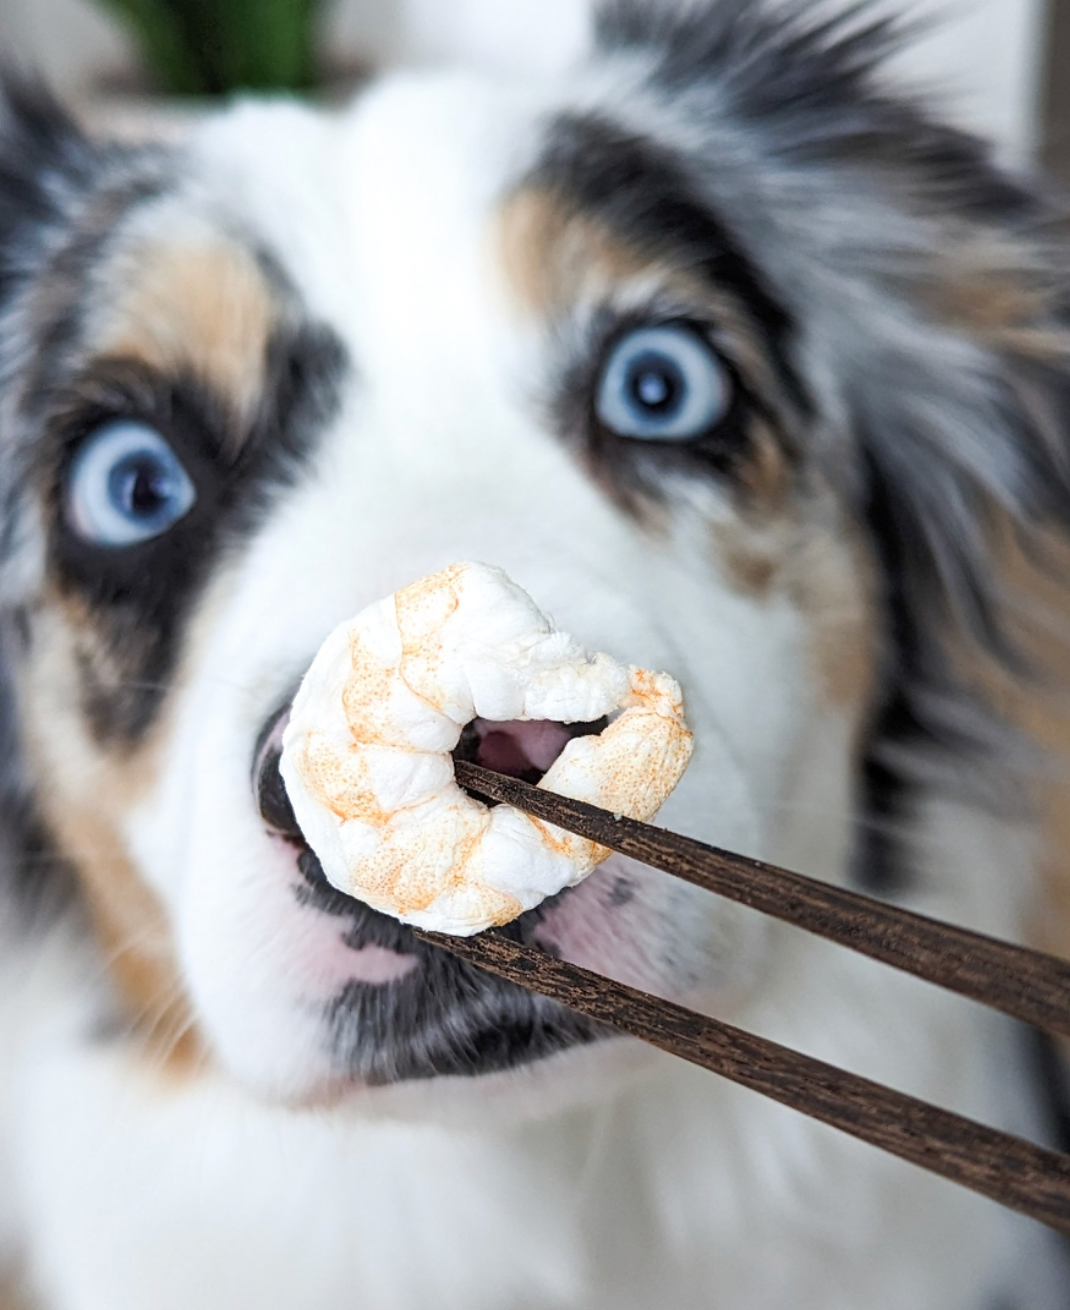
744,366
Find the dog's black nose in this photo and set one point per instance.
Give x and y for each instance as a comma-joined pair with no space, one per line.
268,787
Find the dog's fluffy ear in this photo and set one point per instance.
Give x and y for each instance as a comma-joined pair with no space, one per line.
962,407
776,52
45,160
929,286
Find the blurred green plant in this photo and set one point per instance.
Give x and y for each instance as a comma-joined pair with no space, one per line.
211,47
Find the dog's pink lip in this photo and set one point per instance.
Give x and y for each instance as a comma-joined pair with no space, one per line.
377,965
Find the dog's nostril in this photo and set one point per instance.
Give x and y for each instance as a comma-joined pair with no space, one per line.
271,797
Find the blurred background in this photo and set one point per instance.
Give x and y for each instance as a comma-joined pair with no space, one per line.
997,61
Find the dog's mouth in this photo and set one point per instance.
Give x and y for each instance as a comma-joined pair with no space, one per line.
410,1010
521,750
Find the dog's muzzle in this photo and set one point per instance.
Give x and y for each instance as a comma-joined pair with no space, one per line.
439,1016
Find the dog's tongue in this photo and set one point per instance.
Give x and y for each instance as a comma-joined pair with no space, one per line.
520,748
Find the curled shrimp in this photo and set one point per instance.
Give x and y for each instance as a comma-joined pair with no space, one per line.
367,761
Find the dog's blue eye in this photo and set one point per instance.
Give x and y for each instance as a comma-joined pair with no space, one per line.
663,384
126,485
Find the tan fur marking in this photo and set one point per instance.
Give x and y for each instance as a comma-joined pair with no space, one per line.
133,933
554,256
833,581
827,573
14,1297
750,561
996,287
84,794
550,252
1043,710
764,472
205,307
984,302
980,285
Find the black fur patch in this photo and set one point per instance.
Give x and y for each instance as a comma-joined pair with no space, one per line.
62,197
642,192
140,596
44,159
445,1017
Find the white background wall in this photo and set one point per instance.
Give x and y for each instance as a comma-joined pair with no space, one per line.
984,56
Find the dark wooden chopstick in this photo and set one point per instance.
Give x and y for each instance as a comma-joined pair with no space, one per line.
1027,984
1005,1168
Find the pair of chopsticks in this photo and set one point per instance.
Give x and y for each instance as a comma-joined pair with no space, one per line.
1024,983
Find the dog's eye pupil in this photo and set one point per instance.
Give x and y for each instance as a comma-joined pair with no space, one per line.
663,383
656,383
126,485
139,486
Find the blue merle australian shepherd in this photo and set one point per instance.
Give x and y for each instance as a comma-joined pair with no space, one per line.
741,364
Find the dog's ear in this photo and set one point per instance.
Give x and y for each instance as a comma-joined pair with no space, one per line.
769,56
46,164
961,402
930,288
46,161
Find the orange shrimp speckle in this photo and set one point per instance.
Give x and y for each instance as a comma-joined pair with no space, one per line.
367,763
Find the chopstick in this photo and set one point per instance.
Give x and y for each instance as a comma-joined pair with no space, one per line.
1004,1168
1024,983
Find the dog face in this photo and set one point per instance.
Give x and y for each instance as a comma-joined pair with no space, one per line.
722,355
